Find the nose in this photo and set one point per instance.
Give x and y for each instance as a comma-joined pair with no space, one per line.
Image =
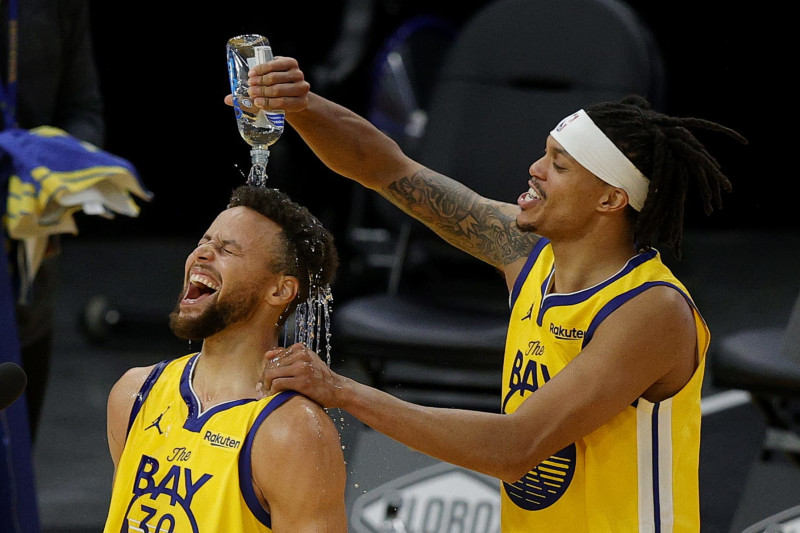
203,252
536,169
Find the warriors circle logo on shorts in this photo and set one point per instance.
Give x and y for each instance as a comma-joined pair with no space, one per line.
544,485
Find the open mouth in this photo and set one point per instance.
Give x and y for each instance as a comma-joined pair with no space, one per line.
200,286
527,199
532,194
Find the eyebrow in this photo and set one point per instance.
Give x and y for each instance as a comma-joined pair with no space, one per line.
224,242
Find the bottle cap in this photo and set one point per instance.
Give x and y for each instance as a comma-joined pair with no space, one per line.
259,155
263,54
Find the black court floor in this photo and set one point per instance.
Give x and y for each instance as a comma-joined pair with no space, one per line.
737,279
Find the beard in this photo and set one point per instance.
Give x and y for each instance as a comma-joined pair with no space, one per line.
215,318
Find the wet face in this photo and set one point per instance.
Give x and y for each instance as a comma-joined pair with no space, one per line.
562,194
227,274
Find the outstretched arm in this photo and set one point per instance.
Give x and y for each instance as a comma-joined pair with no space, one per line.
351,146
647,348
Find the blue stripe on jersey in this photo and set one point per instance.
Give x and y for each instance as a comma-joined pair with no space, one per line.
197,418
617,301
656,495
245,464
147,386
523,275
581,296
186,389
543,292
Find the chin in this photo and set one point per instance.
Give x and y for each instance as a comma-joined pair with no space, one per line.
195,327
526,226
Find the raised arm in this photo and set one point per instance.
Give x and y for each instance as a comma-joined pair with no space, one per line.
647,348
351,146
298,469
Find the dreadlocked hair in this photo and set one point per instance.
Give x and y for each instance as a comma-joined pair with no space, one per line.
307,251
669,155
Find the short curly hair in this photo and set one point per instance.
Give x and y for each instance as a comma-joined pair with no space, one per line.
308,251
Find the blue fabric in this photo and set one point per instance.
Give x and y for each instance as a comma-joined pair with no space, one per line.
53,148
18,501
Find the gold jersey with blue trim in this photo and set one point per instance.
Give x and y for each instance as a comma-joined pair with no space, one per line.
184,469
639,471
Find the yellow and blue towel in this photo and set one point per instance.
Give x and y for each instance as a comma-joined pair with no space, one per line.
50,175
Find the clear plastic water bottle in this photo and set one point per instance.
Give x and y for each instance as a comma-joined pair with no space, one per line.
258,127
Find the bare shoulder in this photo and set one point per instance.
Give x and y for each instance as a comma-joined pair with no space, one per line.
660,313
656,334
299,424
120,402
662,304
127,387
298,468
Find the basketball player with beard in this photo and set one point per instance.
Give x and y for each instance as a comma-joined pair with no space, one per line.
193,448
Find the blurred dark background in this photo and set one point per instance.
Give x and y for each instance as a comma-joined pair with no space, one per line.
164,76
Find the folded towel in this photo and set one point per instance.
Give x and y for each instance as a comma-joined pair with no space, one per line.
51,175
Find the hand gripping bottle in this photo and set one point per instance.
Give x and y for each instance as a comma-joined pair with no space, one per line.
259,128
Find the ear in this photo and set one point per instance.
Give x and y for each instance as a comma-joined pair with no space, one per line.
284,291
614,199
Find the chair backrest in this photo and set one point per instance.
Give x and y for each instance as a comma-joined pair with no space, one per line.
520,66
403,78
515,69
791,339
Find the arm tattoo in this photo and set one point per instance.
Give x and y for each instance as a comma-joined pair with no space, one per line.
484,228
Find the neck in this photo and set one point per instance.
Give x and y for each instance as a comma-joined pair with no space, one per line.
580,265
231,363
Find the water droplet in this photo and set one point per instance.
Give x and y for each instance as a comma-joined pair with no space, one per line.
258,175
312,316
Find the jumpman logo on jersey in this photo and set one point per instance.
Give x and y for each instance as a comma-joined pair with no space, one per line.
529,315
157,422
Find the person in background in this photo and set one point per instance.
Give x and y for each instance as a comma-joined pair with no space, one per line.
48,81
599,427
48,78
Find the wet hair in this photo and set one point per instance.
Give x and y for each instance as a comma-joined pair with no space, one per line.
665,150
308,251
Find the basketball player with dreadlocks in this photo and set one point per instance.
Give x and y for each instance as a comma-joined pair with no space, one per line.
600,418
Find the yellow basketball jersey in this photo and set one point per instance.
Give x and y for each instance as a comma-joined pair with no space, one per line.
639,471
184,469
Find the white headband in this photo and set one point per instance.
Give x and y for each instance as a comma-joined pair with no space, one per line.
590,147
